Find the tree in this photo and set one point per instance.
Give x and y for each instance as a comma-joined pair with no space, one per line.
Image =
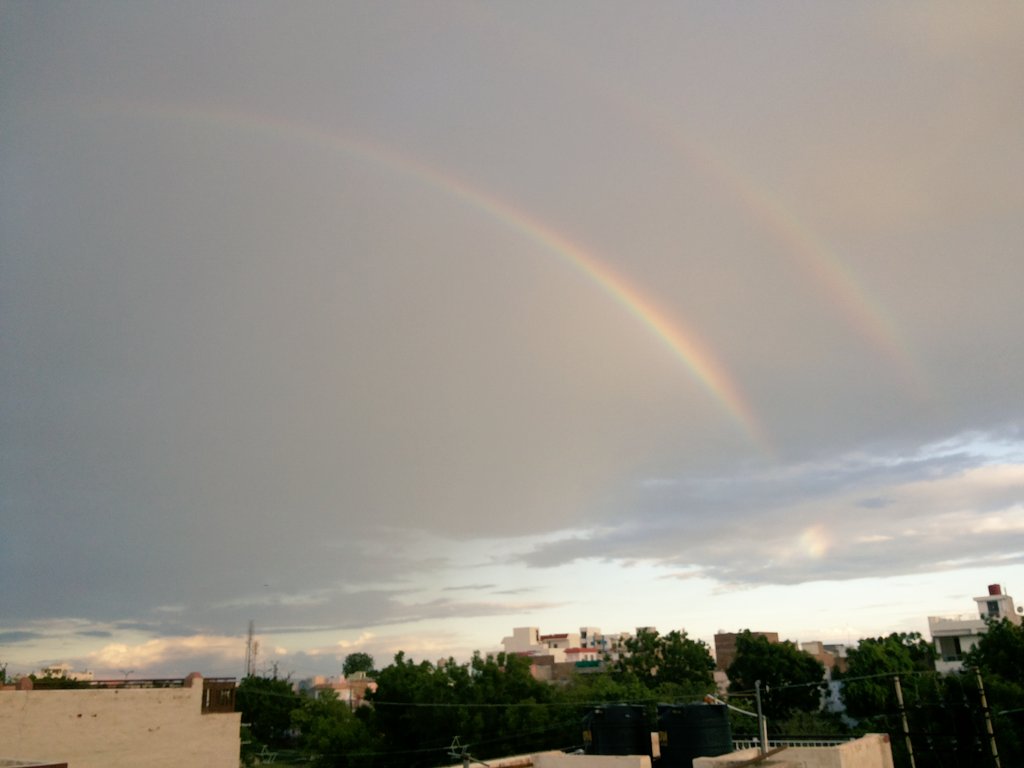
418,708
673,664
522,724
493,705
791,680
266,703
1000,652
358,662
330,734
52,681
999,659
589,689
867,683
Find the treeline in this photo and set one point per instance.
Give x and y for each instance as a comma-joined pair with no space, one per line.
971,718
494,707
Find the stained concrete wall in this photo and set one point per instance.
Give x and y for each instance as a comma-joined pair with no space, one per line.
870,751
592,761
115,728
556,759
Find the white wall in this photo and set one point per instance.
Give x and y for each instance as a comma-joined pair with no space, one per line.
870,751
114,728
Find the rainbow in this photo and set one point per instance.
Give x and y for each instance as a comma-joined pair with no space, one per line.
682,342
814,258
811,256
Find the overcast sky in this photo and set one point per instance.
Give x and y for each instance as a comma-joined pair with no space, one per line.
399,325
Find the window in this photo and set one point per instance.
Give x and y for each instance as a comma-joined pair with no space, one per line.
993,608
949,648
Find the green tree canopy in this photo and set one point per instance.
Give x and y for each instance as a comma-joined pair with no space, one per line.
493,704
867,683
671,664
331,735
791,680
266,703
999,659
1000,652
418,708
358,662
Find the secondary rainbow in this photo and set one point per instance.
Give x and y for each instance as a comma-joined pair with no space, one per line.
808,252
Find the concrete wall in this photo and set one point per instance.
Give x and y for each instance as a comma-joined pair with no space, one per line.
870,751
591,761
111,728
562,760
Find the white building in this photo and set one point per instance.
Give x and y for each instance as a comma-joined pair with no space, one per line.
954,636
524,641
65,670
527,641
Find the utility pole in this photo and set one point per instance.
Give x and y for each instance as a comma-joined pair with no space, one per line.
988,720
762,723
903,719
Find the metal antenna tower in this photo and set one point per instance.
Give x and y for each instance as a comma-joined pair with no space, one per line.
252,649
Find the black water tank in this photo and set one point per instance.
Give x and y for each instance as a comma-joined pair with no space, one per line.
693,730
619,729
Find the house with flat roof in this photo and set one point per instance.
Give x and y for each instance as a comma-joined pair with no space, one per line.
955,636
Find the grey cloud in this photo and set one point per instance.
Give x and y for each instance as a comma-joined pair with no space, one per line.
470,587
283,330
388,611
810,522
875,502
19,636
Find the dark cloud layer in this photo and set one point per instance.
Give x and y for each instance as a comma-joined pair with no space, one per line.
344,318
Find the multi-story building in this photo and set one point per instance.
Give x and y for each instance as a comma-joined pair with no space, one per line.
527,641
558,643
832,657
524,641
591,637
588,647
954,636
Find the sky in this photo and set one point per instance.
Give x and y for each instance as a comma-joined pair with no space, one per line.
395,326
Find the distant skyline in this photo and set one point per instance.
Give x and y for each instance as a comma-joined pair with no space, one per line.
394,327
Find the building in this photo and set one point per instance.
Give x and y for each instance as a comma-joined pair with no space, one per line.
558,643
591,637
352,689
122,724
725,646
65,670
581,655
527,641
955,636
832,657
